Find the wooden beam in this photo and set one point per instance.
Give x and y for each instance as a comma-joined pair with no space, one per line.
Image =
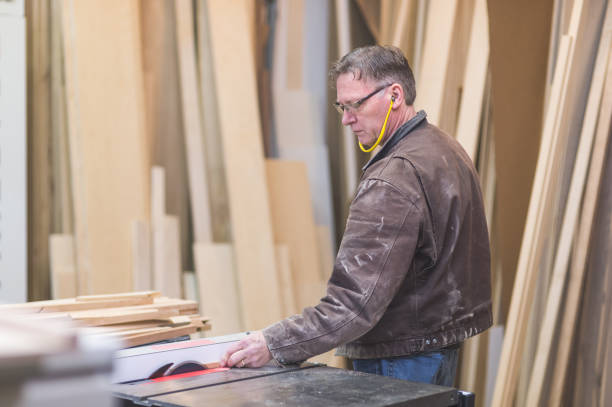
243,152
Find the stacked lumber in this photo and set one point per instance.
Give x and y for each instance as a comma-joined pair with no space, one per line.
134,319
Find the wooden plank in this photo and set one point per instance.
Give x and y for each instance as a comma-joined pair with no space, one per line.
106,119
219,299
326,251
518,31
295,43
531,248
164,122
172,277
580,254
434,66
370,9
200,208
165,334
285,280
242,149
468,123
71,305
63,271
190,286
39,138
120,315
62,198
291,209
405,28
570,220
564,116
349,148
217,183
148,296
141,243
455,73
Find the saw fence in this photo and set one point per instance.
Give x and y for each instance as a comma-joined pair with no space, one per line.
190,147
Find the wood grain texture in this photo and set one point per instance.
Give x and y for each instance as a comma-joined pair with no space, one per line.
107,138
244,163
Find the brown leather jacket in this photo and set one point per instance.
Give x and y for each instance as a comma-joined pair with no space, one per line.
413,269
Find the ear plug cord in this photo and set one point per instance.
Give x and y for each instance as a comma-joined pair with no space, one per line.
382,131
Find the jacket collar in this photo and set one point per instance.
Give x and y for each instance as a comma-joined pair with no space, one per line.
397,136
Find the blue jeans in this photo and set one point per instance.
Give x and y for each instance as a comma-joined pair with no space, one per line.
435,367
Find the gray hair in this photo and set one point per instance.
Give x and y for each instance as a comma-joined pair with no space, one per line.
379,64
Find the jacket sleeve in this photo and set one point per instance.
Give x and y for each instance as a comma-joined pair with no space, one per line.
375,255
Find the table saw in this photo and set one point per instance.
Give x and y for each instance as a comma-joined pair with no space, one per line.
301,385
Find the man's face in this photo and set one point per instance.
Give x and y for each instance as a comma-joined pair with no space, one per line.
366,121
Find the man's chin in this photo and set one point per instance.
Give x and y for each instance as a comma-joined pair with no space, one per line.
365,141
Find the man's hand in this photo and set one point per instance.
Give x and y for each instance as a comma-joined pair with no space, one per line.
251,351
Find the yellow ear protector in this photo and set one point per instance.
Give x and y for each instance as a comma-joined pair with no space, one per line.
382,131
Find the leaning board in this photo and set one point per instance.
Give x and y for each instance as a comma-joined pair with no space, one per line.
244,162
107,139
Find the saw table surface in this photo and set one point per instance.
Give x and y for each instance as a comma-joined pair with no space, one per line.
305,385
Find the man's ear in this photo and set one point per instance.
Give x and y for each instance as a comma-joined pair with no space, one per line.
397,95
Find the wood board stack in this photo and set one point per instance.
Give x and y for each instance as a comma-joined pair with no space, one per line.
132,318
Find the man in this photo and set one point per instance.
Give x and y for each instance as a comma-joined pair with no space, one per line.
411,279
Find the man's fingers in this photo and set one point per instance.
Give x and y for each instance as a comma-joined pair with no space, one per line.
229,352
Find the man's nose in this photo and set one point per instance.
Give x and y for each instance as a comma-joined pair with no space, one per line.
347,117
